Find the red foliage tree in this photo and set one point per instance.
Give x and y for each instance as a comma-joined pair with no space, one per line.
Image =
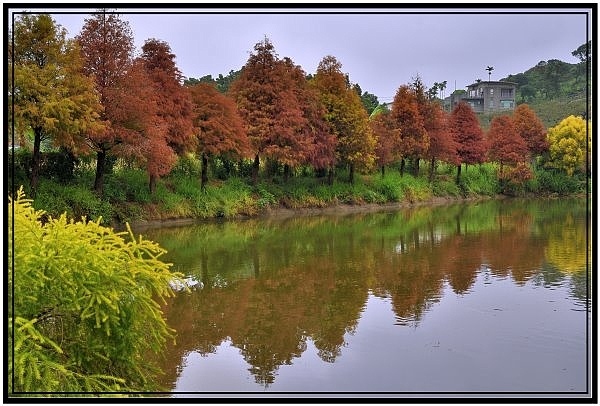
531,129
407,118
425,108
315,137
174,107
290,144
134,113
469,136
256,92
442,145
323,143
505,145
106,43
218,126
282,117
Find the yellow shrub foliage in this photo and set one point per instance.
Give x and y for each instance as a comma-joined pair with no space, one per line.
83,307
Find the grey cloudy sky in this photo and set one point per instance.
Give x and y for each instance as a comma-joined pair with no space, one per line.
379,51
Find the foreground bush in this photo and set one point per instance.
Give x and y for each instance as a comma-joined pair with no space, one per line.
83,305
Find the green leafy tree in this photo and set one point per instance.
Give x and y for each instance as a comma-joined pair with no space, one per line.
369,100
84,309
52,98
527,93
224,82
569,141
554,72
583,52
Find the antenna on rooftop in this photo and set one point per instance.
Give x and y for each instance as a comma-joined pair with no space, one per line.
489,69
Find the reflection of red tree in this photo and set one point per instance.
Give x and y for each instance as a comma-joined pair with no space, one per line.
269,318
315,291
512,251
464,254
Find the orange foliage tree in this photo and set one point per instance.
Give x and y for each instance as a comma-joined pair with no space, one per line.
531,129
218,126
388,139
407,118
345,114
173,132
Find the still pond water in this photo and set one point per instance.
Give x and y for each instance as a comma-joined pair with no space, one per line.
481,297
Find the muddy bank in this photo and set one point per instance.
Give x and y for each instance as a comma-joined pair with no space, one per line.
284,212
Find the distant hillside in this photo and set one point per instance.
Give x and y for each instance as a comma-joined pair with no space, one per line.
554,89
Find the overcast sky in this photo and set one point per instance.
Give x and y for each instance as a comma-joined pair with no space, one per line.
380,51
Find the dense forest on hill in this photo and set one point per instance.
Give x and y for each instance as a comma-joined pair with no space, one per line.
555,89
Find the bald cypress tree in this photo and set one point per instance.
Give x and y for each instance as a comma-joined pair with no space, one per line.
468,135
51,96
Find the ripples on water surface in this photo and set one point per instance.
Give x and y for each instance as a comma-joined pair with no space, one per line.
487,297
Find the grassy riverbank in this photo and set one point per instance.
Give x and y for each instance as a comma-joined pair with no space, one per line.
179,196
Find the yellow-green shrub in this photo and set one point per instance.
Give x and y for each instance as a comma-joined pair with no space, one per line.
82,304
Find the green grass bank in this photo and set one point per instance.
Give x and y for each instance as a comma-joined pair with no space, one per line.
179,195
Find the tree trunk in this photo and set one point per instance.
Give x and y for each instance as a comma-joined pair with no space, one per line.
256,262
351,177
204,269
35,161
330,176
286,172
458,173
152,183
402,164
228,166
204,172
382,171
431,169
416,167
255,168
100,168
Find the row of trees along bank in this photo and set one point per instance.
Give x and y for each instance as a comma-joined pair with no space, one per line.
91,97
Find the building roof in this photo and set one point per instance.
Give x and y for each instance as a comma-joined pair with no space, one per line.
495,83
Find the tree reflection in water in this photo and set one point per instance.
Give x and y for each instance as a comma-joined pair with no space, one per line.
271,285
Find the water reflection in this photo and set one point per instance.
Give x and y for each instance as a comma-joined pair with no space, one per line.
273,288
